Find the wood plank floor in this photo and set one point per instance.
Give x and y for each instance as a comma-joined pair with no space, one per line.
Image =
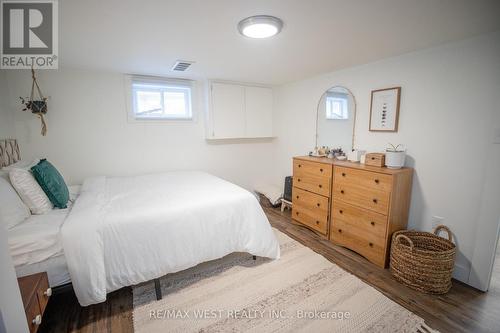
463,309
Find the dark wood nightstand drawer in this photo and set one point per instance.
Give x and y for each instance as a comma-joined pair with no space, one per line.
35,293
33,315
43,292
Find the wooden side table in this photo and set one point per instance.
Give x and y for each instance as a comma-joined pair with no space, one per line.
35,293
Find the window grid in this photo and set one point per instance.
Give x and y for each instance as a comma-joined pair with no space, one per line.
144,109
336,108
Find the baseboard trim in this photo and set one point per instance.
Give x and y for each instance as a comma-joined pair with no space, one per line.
461,273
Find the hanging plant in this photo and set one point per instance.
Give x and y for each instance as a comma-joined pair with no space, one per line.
36,103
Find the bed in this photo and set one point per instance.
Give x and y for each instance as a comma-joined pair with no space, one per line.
36,245
121,231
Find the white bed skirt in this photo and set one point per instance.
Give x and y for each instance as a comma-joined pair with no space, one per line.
56,268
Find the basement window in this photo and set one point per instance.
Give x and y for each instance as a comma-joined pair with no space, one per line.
336,106
161,99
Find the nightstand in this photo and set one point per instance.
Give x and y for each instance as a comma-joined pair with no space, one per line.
35,293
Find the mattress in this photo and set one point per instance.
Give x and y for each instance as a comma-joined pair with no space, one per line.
56,268
38,238
35,244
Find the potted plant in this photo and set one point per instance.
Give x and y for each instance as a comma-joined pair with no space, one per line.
395,156
36,106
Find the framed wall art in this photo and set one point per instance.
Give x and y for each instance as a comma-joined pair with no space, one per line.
384,110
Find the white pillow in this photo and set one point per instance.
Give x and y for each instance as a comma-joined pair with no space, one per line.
30,191
22,164
12,210
4,174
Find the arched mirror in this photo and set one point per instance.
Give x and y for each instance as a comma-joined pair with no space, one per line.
336,118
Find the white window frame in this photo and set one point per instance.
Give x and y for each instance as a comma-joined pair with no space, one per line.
345,102
170,84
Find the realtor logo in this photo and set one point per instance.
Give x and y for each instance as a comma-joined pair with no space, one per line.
29,34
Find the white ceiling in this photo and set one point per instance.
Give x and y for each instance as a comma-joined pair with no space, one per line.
146,37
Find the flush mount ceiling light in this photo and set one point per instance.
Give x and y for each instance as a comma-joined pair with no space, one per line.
260,26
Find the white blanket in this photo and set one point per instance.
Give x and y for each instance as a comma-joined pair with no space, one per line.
38,238
127,230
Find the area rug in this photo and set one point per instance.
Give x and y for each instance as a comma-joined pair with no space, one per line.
300,292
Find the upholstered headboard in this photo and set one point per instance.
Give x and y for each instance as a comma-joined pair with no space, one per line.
9,152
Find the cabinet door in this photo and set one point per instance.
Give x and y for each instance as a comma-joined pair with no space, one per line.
228,111
258,112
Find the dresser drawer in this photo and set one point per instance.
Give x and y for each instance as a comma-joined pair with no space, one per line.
315,184
43,292
375,200
35,293
33,315
356,239
367,222
305,168
314,202
310,217
368,179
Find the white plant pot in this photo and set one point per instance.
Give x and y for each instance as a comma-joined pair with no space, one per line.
395,159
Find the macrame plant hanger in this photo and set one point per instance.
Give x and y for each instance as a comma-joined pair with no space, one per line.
36,109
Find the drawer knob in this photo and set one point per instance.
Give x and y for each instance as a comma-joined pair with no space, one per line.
297,197
373,158
372,223
340,230
48,292
377,181
320,170
371,244
341,211
37,320
342,191
300,165
320,186
375,200
317,222
298,179
343,174
318,204
296,213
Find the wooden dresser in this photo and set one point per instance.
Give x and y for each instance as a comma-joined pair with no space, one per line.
353,205
311,194
35,293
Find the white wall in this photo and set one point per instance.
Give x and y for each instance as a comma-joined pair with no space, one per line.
488,222
449,95
89,134
6,111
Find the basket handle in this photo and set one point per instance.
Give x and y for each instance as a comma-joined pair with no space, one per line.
406,238
445,228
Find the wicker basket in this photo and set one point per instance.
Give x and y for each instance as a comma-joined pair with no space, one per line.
423,260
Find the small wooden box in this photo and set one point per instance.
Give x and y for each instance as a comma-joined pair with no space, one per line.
375,159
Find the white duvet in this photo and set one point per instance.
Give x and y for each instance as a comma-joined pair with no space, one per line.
127,230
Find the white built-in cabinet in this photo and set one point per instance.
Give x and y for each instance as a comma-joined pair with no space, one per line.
239,111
